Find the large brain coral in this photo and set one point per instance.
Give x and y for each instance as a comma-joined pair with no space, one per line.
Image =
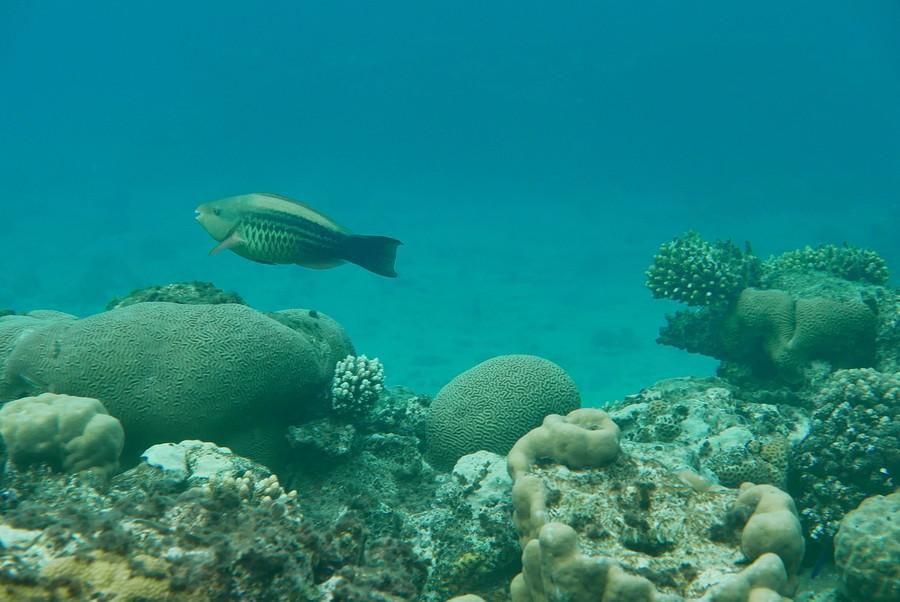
490,406
168,372
793,331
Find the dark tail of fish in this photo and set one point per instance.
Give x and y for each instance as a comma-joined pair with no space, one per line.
375,253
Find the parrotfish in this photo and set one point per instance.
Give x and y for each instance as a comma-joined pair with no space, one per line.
272,229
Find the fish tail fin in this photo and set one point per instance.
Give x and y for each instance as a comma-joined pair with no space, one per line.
375,253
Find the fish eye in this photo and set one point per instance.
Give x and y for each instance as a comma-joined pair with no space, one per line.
216,211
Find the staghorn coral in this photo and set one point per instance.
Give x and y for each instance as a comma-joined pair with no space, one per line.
696,272
358,382
170,371
494,403
847,262
867,550
852,451
68,433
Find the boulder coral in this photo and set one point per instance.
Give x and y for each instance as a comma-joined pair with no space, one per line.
585,438
488,407
867,550
71,434
773,526
223,373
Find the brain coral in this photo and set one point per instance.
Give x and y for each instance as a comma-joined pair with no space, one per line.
793,332
68,433
224,373
490,406
867,550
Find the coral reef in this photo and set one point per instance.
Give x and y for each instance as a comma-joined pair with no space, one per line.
357,384
471,540
229,533
68,433
867,550
171,371
633,529
692,489
488,407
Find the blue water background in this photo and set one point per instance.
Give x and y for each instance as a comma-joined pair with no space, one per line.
531,155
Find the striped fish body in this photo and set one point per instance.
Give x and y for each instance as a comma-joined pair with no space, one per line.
272,229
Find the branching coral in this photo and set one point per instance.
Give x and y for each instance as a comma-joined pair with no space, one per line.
847,262
357,384
696,272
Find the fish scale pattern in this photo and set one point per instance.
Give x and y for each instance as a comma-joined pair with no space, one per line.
282,240
169,371
490,406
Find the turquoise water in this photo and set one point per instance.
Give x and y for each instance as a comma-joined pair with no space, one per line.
531,155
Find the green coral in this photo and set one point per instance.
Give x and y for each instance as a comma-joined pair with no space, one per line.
847,262
696,272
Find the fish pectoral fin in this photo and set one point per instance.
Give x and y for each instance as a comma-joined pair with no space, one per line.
232,241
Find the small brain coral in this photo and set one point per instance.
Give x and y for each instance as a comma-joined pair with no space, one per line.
867,550
68,433
696,272
490,406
